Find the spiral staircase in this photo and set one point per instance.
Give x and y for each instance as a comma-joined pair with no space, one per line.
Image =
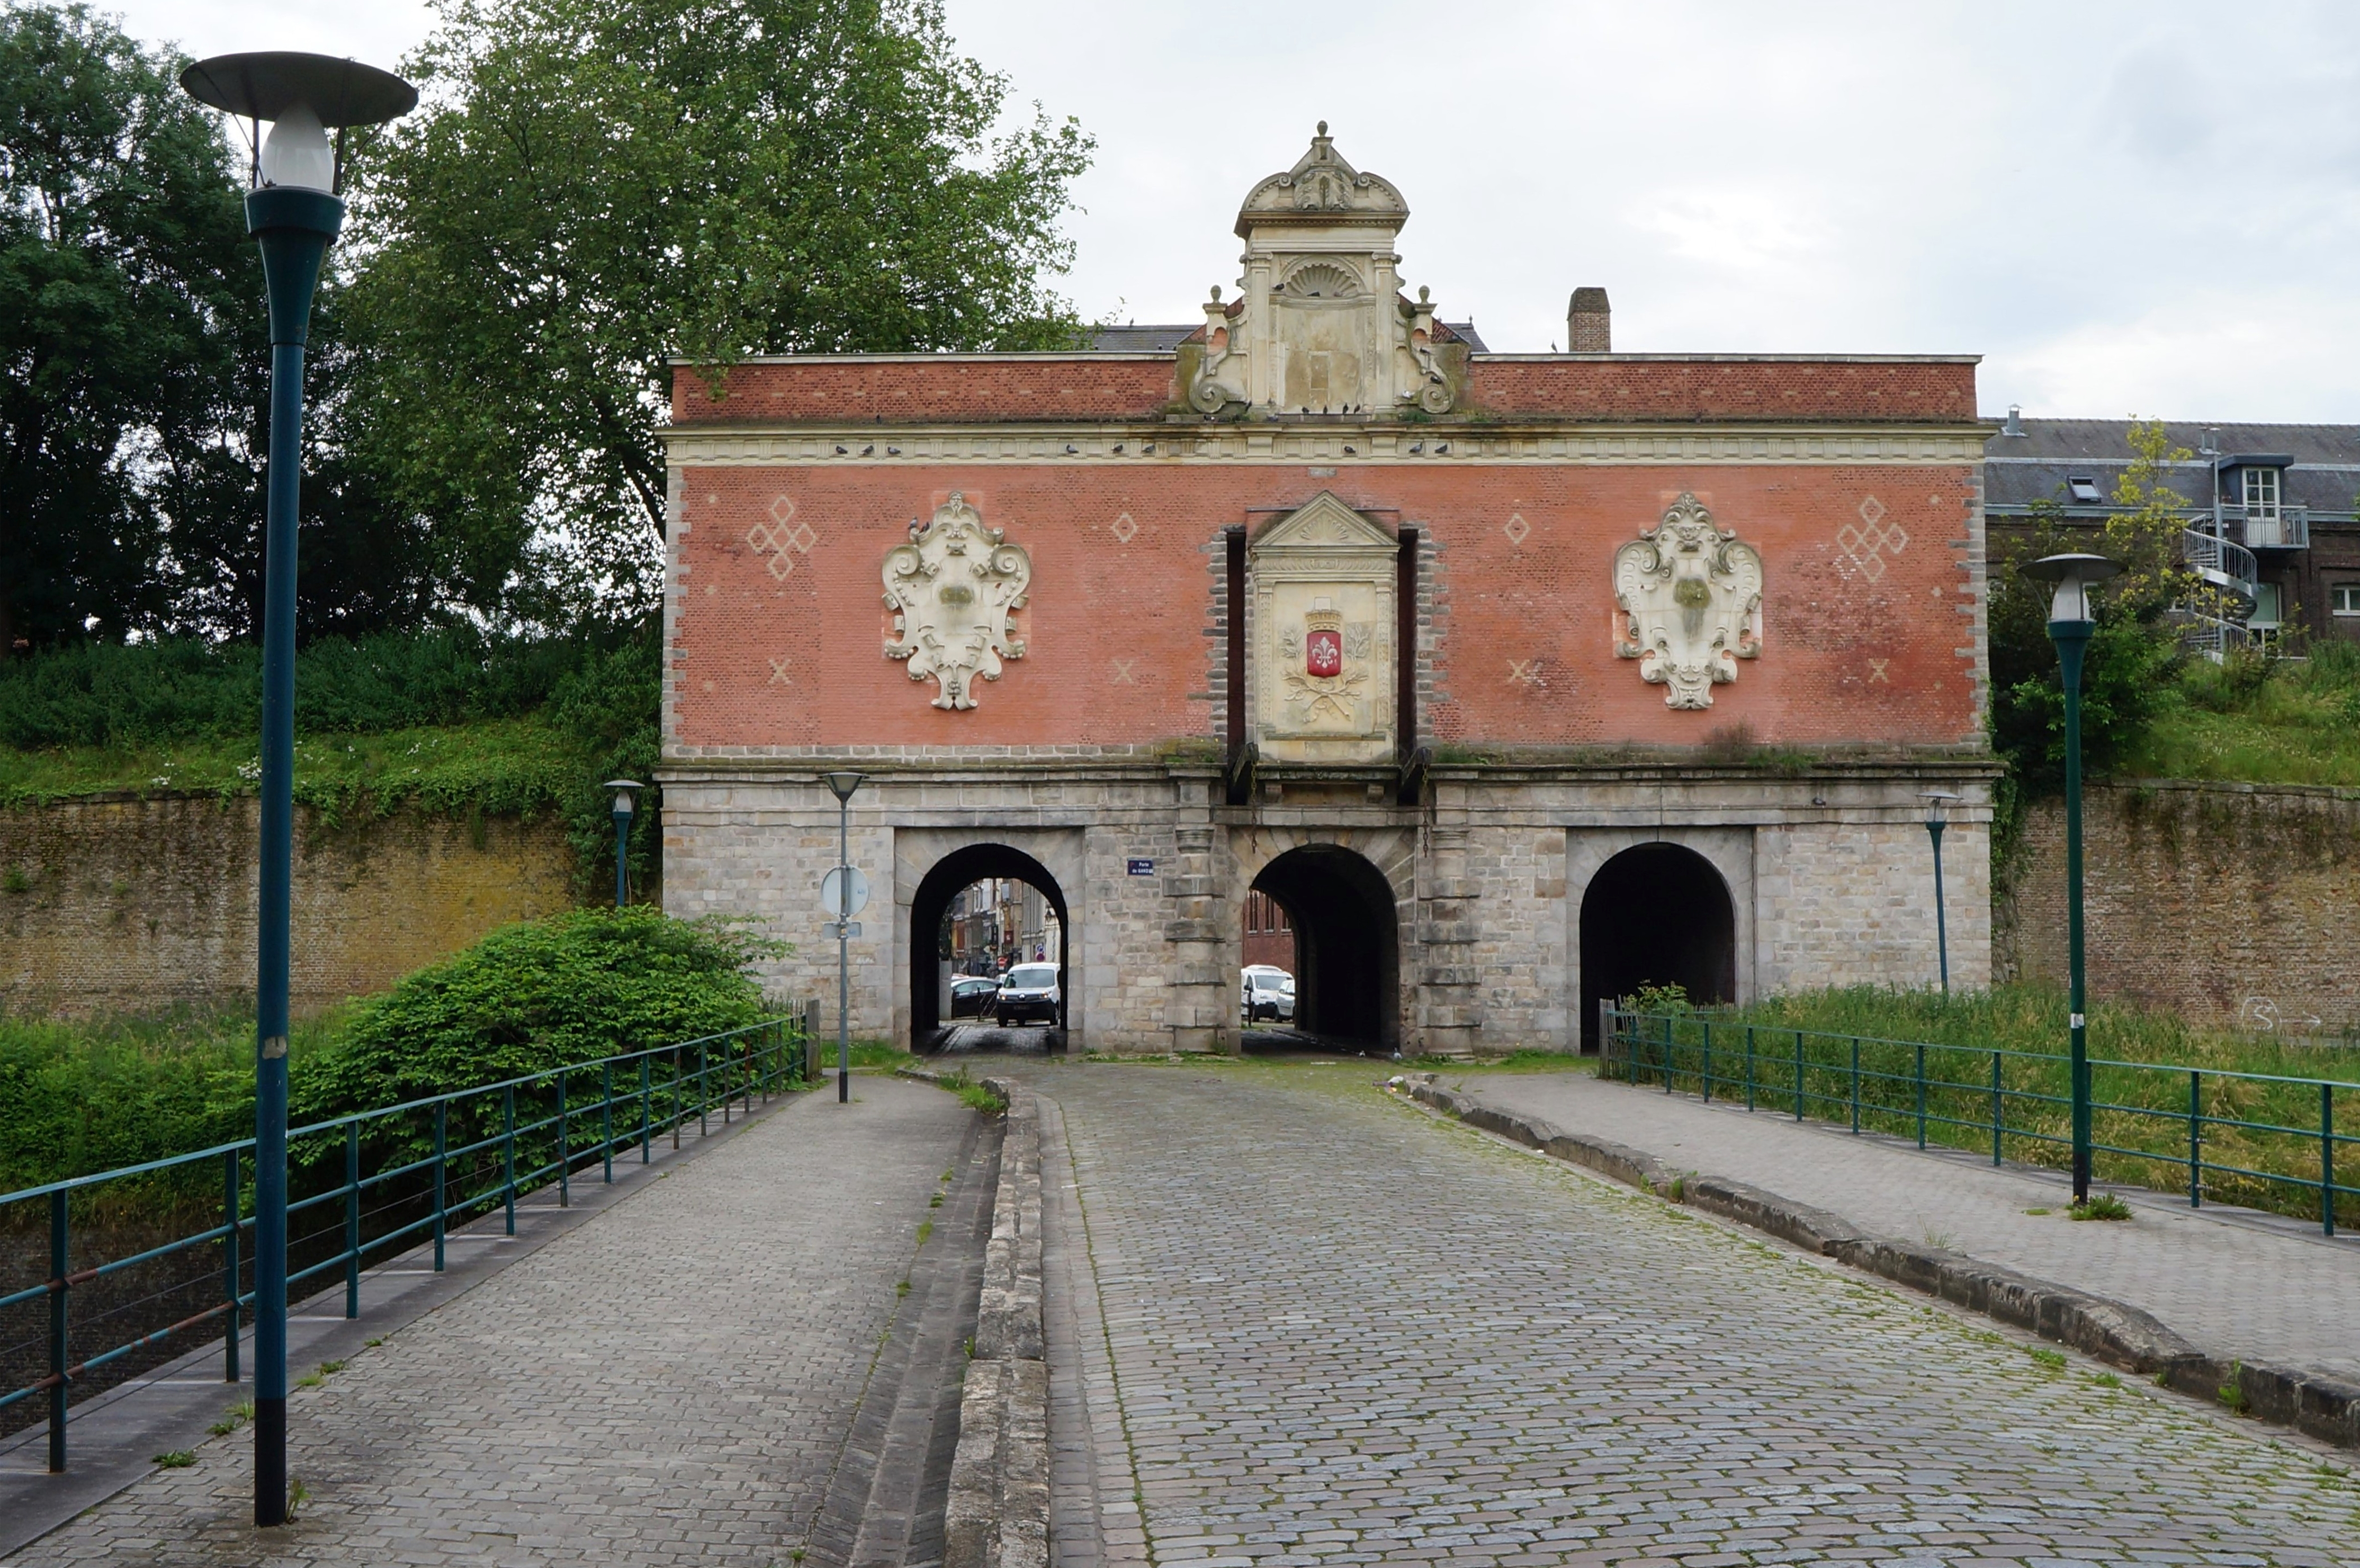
2215,618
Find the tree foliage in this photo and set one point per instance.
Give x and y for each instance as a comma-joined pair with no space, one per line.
593,188
2135,649
134,371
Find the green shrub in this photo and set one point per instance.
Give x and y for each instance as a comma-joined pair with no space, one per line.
589,983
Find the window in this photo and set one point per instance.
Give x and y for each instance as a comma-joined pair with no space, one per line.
2084,490
2261,493
1032,977
2343,598
2266,607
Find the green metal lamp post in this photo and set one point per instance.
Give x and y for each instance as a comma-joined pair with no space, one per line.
294,214
1936,802
842,786
2070,625
626,793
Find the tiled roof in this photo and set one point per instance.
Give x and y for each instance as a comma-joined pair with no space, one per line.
2037,465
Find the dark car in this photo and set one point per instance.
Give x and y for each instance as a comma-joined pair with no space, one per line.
972,996
1030,993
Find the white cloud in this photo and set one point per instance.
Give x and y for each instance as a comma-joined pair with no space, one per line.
2124,204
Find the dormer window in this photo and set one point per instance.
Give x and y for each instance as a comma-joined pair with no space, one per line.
2084,490
2261,494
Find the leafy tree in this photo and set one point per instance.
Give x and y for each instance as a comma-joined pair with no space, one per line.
2134,652
120,247
598,185
134,371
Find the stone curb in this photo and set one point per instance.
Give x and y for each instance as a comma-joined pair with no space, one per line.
998,1512
2314,1403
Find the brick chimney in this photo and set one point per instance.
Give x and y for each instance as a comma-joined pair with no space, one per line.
1588,327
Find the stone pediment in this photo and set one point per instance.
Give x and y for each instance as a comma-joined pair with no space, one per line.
1321,326
1323,525
1322,188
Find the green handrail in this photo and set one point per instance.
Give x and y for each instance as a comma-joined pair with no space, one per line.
2150,1133
415,1197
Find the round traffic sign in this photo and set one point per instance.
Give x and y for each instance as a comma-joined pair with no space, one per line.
831,892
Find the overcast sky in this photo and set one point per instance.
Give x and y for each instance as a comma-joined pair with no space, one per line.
2148,208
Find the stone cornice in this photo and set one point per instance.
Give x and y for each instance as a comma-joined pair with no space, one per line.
1327,442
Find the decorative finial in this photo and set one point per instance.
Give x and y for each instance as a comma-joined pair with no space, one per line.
1323,127
1217,293
1422,292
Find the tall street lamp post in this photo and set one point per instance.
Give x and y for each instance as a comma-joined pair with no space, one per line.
626,793
293,213
1938,801
843,785
2070,625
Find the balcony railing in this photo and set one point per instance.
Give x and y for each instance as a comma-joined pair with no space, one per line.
2288,528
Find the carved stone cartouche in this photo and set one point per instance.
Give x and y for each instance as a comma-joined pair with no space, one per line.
1690,602
953,588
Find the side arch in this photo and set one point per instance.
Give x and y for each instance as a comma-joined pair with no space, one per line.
1660,913
947,868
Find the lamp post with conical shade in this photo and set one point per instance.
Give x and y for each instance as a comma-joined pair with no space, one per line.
2071,623
293,211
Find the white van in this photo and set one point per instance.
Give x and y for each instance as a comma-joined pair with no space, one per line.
1030,992
1265,990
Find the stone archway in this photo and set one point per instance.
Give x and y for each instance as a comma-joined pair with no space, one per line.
1657,913
931,901
1346,944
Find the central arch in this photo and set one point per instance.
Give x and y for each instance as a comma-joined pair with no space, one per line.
1657,913
932,901
1346,944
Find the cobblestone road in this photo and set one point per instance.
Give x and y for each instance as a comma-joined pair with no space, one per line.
2283,1294
1340,1332
672,1383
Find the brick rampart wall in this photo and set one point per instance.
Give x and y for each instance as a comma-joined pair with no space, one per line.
1014,389
1001,388
2237,905
778,626
1722,389
135,904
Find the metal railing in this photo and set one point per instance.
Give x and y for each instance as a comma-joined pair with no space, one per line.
382,1180
2257,1139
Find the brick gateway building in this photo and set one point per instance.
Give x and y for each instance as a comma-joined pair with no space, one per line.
1516,679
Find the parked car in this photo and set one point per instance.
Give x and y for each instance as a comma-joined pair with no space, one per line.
1265,990
1031,991
972,996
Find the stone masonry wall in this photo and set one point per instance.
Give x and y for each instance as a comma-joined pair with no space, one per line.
128,904
2236,904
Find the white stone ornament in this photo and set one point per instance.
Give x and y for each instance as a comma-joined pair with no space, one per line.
952,588
1691,598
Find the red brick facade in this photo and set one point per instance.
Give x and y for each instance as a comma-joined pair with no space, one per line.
1868,624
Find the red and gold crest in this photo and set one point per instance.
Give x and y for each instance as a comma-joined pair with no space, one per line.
1323,644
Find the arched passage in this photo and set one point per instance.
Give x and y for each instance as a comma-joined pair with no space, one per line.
932,902
1346,944
1656,915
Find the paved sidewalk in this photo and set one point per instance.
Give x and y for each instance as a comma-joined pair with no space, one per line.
1336,1331
676,1382
2237,1287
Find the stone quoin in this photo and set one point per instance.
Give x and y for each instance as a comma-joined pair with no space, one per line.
1517,680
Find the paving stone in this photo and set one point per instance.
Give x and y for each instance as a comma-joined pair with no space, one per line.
2234,1285
672,1383
1337,1330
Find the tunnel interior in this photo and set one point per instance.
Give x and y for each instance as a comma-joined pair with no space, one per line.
1656,915
1347,945
931,906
